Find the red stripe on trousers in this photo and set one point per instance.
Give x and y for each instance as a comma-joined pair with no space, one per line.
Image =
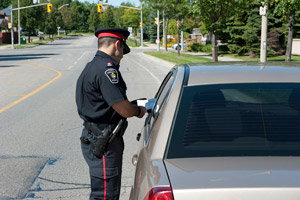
104,174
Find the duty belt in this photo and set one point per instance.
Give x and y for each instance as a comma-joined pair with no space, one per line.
102,135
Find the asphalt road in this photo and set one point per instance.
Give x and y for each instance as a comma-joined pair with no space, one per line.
40,155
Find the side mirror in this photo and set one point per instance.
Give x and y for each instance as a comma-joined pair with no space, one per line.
138,136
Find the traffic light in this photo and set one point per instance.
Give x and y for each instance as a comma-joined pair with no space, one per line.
156,20
100,8
49,8
141,24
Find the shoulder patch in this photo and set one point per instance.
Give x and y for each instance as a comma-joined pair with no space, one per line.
112,75
109,64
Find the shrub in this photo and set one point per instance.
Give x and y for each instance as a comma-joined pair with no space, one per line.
207,48
196,47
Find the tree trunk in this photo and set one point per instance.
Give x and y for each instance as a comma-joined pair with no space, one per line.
29,33
214,47
166,33
178,47
288,53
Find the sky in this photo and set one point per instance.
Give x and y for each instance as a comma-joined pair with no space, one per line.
115,2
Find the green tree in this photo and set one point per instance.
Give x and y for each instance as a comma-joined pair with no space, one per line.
108,17
150,26
213,13
244,30
286,8
50,23
94,19
30,17
118,13
132,18
4,4
173,9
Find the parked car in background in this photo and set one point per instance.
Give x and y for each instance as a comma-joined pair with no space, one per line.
185,43
221,132
41,33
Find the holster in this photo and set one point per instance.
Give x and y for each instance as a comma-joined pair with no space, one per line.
102,135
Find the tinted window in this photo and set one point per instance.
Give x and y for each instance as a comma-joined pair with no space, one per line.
237,120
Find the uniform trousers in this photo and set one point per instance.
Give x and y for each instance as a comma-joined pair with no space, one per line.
105,172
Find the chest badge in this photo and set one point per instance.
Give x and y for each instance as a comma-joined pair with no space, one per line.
112,75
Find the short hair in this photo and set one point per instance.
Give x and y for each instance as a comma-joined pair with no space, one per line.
106,41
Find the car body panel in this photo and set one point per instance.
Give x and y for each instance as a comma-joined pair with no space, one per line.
234,172
215,178
238,194
230,178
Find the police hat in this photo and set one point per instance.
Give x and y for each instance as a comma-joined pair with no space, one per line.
118,33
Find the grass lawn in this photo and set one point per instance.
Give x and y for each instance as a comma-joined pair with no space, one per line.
277,58
33,44
172,57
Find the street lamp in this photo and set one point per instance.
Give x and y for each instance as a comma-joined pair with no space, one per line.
63,6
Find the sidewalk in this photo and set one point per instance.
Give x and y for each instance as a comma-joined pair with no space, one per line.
204,55
5,46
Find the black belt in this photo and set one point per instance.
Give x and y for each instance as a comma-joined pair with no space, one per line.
88,126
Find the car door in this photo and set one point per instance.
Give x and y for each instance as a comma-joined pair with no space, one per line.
161,97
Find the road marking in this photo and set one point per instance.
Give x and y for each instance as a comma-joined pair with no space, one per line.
59,74
83,54
155,77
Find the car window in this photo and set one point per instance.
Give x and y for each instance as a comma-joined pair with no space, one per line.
161,97
237,120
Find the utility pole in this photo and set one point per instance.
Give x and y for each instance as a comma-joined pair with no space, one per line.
264,27
157,39
19,31
142,25
12,27
164,32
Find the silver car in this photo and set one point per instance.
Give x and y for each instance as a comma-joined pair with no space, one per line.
226,131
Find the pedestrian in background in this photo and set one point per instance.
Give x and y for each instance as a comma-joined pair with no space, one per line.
103,105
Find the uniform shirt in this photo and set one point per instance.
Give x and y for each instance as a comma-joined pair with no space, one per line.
99,86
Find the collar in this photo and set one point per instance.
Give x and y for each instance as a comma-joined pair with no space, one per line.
111,63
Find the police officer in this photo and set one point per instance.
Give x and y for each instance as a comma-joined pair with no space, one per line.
102,104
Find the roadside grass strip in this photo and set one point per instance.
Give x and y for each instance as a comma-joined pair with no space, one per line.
184,58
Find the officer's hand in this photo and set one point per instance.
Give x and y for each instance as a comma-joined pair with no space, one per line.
143,111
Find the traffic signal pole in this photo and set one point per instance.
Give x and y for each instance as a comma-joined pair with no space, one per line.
12,27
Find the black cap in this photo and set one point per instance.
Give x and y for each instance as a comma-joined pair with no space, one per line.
118,33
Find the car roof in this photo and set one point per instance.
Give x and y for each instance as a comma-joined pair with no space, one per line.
243,72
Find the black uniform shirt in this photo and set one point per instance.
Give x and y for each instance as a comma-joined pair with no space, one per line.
99,86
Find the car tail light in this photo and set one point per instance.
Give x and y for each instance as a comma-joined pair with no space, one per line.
160,193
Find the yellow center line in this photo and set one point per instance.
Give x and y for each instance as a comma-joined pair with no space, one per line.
59,74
